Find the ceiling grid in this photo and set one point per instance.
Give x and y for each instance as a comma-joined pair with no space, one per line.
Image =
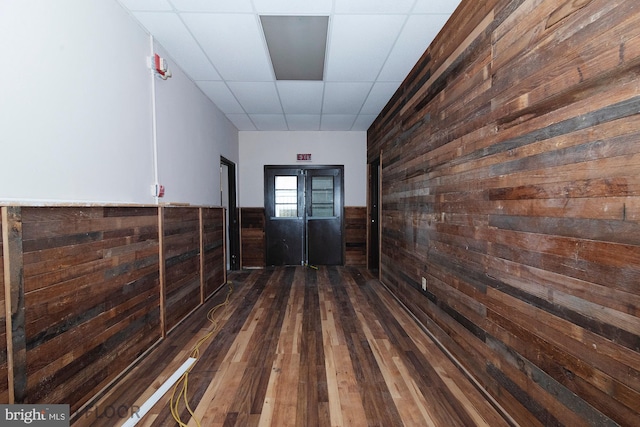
371,46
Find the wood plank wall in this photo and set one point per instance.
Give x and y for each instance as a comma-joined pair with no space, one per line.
252,238
511,183
181,250
92,288
252,235
4,379
214,271
355,228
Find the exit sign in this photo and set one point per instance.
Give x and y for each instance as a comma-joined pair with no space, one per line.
304,157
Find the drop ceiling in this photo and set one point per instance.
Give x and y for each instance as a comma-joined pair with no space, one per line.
220,44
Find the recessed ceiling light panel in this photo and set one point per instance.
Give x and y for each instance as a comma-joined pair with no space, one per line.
297,45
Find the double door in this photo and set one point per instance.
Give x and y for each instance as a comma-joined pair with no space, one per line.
304,215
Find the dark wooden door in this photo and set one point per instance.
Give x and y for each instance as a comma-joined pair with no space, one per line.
304,215
324,216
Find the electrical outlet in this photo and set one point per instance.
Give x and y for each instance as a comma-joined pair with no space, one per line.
424,284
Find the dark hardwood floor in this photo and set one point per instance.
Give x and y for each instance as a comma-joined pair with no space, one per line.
298,346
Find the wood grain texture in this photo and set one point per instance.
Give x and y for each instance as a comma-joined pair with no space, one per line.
91,280
16,340
181,246
355,227
305,347
252,237
4,369
511,184
91,297
212,250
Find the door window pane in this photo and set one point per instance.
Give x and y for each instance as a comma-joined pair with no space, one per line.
322,196
286,188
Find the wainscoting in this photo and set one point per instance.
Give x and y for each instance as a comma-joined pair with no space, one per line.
93,288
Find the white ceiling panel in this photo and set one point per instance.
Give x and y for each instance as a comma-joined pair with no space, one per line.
344,98
269,122
257,97
225,100
146,4
359,46
171,33
435,6
371,46
303,121
241,121
234,43
217,6
301,97
289,7
374,6
363,122
418,32
378,97
337,122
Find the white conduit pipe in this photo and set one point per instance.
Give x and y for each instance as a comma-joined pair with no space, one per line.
146,406
154,129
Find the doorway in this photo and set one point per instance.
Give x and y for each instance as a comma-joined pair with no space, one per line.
304,215
373,244
228,198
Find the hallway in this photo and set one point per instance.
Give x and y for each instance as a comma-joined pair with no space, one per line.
298,346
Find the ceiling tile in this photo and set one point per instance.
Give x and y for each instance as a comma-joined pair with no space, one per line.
435,6
218,6
221,96
301,97
269,122
220,45
257,97
241,121
234,43
363,122
373,6
170,32
417,34
344,98
288,7
303,121
359,45
378,97
151,5
337,122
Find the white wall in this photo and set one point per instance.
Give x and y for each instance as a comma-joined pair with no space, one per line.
258,149
192,134
76,111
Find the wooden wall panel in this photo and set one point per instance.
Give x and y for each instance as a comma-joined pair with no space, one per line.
181,248
214,268
91,296
252,223
511,183
355,219
4,382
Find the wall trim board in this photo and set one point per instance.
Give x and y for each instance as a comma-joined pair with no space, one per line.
14,303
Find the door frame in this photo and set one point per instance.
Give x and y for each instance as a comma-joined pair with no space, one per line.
373,208
303,167
233,228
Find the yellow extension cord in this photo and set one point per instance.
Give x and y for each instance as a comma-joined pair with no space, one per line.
180,388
